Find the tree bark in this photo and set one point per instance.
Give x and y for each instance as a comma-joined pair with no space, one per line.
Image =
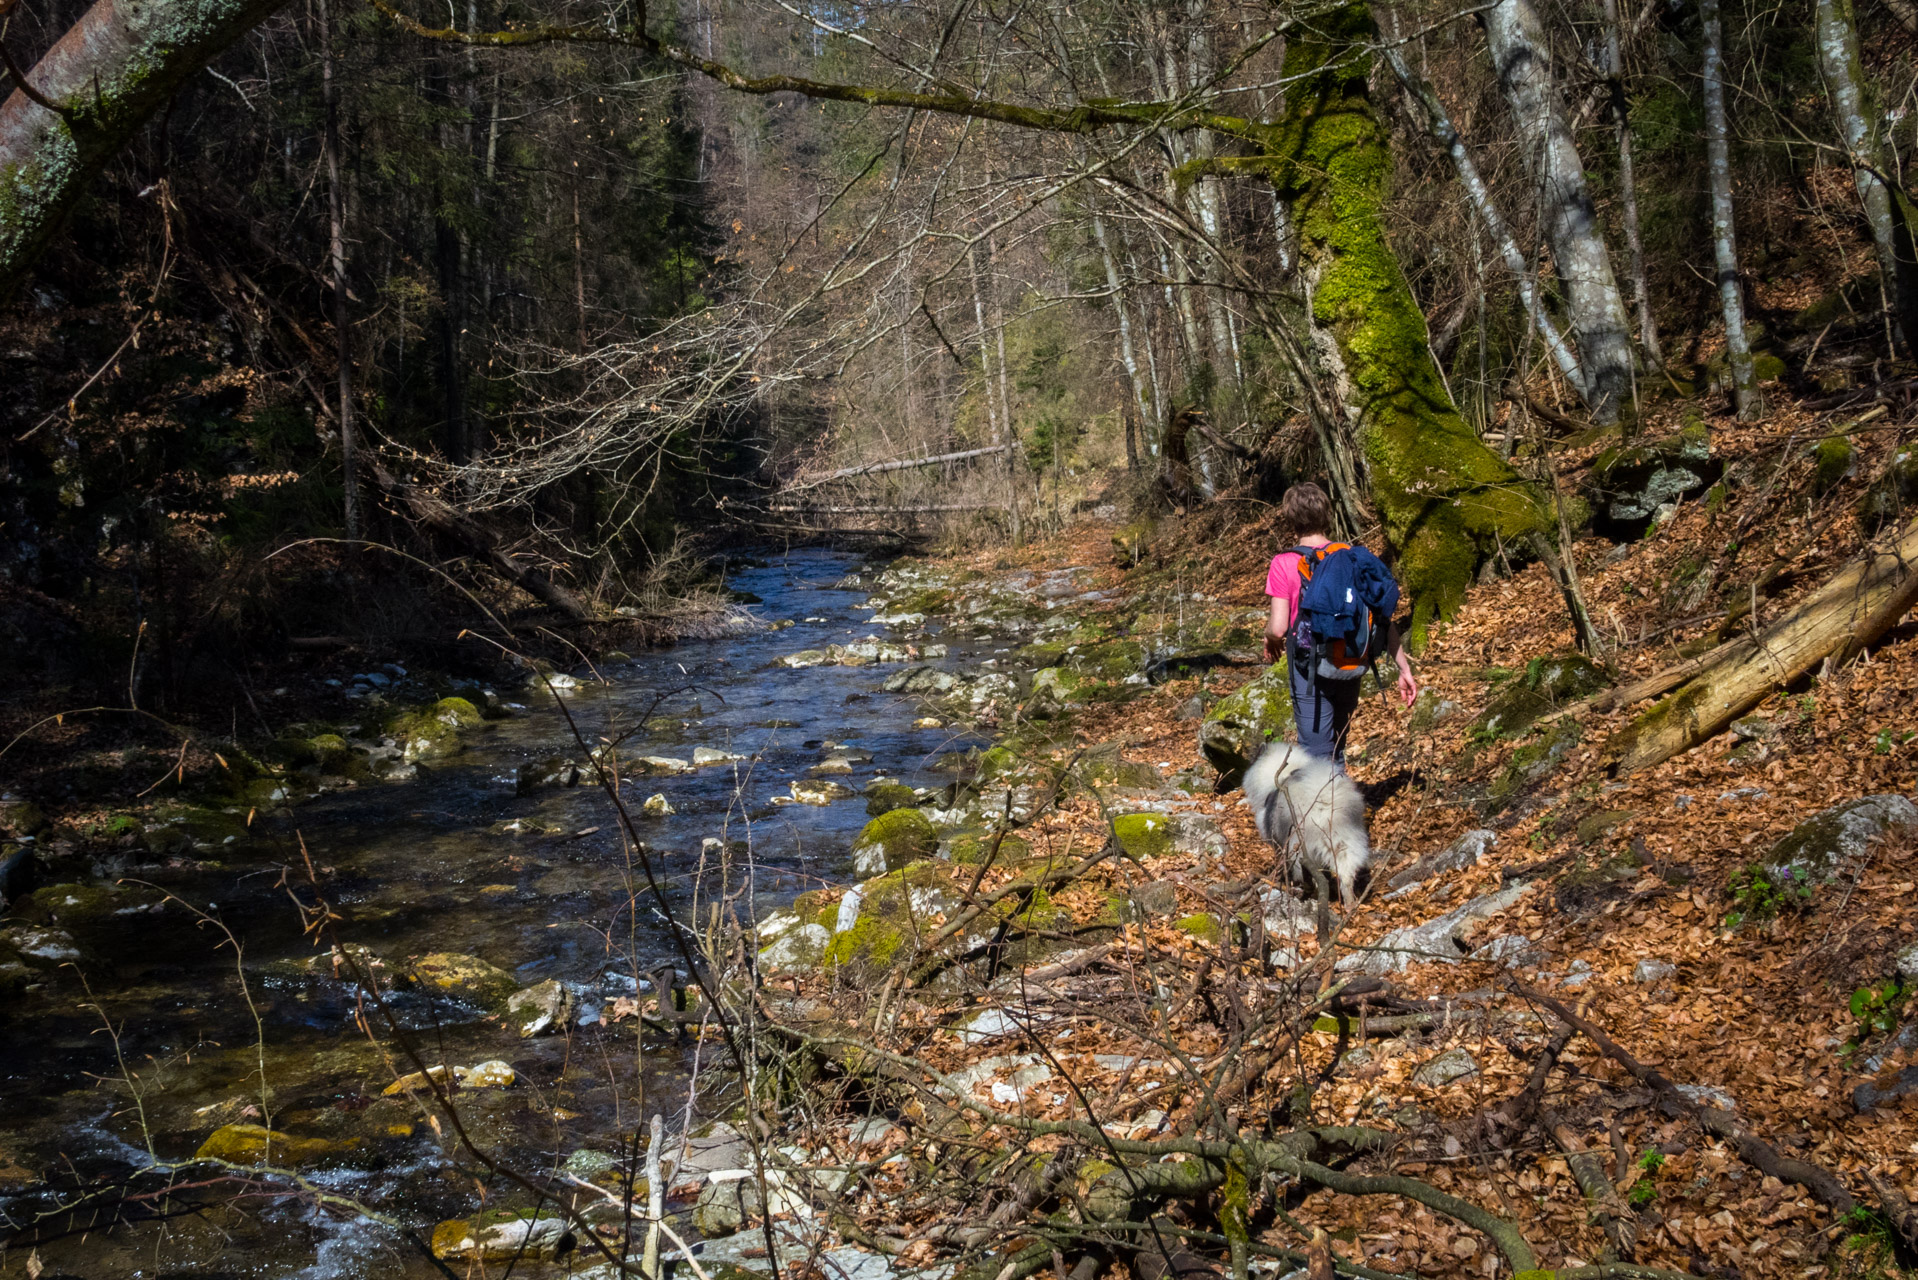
336,255
1442,494
1628,191
1860,603
1889,213
1517,42
106,76
1141,394
1738,353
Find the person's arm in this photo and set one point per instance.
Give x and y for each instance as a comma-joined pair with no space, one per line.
1276,626
1395,646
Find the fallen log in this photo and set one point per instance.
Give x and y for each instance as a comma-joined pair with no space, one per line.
1588,1170
1862,601
900,464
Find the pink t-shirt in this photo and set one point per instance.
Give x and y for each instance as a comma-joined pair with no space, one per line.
1282,580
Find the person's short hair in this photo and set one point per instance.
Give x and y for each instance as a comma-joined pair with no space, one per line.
1306,510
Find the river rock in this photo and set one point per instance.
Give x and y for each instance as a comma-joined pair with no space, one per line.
492,1074
502,1235
1466,851
820,792
892,840
707,756
883,797
1818,846
1237,729
664,766
40,948
802,946
1453,1064
1653,970
717,1147
252,1144
463,977
657,805
1435,940
543,1007
1056,691
1159,835
435,731
921,680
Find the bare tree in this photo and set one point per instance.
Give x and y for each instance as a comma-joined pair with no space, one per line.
1522,63
1738,353
1837,40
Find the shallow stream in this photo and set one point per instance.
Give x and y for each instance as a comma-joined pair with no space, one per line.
166,1049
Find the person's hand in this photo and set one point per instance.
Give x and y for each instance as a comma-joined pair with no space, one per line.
1408,686
1274,647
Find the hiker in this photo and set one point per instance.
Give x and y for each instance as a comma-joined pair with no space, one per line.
1347,597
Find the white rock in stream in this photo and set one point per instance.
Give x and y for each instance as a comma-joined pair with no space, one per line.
798,948
703,756
666,764
658,806
811,792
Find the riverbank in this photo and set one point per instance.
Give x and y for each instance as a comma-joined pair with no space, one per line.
1024,993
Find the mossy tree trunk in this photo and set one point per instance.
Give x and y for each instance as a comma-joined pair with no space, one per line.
1445,497
90,93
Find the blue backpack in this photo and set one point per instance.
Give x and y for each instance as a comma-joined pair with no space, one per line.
1347,600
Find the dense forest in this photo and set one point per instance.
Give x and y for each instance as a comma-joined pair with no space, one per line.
446,446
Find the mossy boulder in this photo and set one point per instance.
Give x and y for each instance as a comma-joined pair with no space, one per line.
1055,691
22,818
1594,827
108,920
1532,762
892,840
884,797
1833,461
1202,926
1892,494
1105,766
435,731
1159,835
969,848
1548,683
1108,660
503,1235
1237,729
1632,482
883,921
182,829
1817,848
252,1144
466,978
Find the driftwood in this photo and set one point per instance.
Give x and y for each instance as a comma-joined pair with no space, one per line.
1862,601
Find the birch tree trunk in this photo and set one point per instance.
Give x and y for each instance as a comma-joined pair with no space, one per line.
1888,213
1584,264
1628,192
1127,354
1439,124
1001,429
336,254
105,78
1738,353
1443,496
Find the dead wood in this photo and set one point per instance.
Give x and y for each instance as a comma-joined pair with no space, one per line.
1898,1211
1859,604
1617,1221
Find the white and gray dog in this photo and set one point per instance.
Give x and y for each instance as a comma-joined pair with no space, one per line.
1311,812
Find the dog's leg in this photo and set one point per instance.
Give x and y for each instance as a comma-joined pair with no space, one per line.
1322,902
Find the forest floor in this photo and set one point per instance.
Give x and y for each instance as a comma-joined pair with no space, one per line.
1623,908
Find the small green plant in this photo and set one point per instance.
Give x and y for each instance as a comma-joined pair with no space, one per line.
1877,1009
1886,740
1643,1193
1648,1165
1651,1162
1756,895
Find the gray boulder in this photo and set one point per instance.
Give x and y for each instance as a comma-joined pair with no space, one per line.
541,1008
1453,1064
1461,853
1822,843
1434,940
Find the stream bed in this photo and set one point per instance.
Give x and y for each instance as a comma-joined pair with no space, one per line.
161,1045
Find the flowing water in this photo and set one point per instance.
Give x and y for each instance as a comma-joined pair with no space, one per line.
168,1045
